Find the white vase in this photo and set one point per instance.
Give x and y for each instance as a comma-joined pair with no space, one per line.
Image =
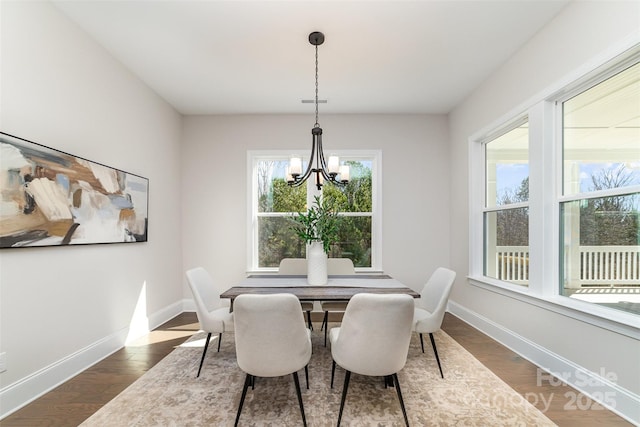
316,264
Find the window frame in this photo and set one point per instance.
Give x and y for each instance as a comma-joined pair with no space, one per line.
544,113
252,204
486,209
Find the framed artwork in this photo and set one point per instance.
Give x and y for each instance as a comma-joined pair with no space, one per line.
51,198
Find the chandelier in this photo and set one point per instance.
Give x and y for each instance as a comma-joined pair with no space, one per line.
317,165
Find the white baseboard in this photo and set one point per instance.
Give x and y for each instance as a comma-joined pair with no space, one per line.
169,312
188,305
595,385
29,388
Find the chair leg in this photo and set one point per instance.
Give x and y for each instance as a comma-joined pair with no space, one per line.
325,322
306,374
421,343
433,343
404,412
347,375
309,320
388,381
325,319
204,352
247,380
297,382
333,371
219,341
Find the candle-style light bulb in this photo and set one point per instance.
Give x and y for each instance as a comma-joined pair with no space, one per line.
334,165
295,166
344,173
287,175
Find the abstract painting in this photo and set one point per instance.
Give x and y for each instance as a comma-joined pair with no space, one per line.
51,198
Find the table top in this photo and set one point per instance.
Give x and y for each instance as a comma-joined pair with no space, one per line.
338,288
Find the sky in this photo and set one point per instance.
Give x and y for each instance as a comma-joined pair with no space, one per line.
509,176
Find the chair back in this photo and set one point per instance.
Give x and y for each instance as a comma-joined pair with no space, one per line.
271,336
294,266
375,334
298,266
436,291
205,294
340,266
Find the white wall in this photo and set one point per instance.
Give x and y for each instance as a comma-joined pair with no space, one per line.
61,307
582,32
415,195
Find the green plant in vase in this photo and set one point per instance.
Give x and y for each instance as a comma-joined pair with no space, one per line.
318,224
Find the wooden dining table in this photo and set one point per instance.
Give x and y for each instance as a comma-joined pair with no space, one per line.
338,288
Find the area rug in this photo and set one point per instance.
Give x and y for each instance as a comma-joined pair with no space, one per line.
171,395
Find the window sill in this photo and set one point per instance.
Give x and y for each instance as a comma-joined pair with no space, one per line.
367,271
607,318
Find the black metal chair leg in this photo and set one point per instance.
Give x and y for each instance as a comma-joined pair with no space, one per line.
247,380
204,352
325,320
297,382
306,374
333,371
388,381
309,320
404,412
347,375
433,343
219,341
421,343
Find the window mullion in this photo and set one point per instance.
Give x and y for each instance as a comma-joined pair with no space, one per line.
543,223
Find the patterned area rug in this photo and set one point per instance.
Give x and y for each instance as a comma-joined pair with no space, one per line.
171,395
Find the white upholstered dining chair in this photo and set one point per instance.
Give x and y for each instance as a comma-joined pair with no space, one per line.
298,267
431,306
340,267
335,266
213,315
373,340
293,266
271,340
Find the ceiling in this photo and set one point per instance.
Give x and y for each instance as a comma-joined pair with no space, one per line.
227,57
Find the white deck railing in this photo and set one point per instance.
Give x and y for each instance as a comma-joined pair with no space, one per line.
610,264
599,265
512,263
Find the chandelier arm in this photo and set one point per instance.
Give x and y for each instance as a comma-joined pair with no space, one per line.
302,178
319,169
297,183
324,170
322,163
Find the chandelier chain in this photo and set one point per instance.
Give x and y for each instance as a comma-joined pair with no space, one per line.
317,125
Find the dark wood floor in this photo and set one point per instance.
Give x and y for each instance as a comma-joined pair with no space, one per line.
74,401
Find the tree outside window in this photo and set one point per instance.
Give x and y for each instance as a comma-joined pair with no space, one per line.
275,202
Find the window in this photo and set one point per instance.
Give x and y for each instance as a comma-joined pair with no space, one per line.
558,184
599,209
506,213
272,202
